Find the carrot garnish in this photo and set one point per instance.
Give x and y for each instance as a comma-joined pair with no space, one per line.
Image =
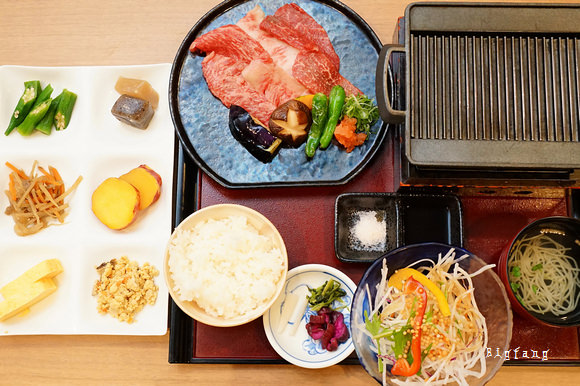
346,134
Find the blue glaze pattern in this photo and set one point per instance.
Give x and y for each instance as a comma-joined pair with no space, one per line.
205,119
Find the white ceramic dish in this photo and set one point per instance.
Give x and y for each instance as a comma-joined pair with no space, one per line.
95,146
299,348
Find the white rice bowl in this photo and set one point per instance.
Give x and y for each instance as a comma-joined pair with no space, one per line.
226,266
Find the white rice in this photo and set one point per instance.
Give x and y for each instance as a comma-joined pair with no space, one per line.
225,266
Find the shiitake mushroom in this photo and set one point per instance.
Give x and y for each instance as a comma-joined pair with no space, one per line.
290,122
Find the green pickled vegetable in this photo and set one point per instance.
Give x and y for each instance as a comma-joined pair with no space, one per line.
325,295
33,117
64,109
45,124
319,118
31,90
335,103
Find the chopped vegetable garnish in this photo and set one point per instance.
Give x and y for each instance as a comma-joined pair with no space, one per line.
363,109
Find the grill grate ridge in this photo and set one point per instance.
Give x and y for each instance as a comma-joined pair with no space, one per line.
495,87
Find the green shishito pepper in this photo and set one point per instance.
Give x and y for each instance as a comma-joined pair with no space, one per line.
319,118
31,90
335,103
33,117
64,109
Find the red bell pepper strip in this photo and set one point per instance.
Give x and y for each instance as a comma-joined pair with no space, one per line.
402,367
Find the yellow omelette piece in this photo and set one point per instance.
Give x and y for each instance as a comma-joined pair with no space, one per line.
29,288
397,279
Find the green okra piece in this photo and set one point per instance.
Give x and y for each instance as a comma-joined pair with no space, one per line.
33,117
42,96
64,109
45,124
31,90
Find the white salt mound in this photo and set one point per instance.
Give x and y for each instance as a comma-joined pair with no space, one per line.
369,231
225,266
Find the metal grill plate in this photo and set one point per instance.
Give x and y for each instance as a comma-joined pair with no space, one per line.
493,85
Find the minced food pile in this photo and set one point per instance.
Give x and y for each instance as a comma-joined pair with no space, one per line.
124,288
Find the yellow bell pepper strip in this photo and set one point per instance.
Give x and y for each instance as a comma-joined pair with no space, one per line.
401,366
401,275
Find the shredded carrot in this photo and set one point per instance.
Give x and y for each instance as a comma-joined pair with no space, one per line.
11,188
49,177
17,171
346,134
43,171
57,177
36,201
55,173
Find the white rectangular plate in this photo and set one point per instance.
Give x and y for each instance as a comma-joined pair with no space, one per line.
95,146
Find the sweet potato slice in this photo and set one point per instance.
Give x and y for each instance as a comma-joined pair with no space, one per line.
147,182
116,203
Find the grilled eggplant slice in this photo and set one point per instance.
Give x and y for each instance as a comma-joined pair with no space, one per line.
254,137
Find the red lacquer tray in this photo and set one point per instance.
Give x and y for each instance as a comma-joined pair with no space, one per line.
305,218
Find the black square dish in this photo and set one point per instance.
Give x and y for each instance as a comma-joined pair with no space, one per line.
368,225
360,219
430,218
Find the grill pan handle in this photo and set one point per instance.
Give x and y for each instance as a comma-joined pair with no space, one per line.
382,84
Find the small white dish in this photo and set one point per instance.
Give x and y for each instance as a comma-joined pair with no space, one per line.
293,342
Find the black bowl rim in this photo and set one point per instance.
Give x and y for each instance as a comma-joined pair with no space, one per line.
537,316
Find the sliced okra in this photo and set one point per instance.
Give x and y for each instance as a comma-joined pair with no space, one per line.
64,109
31,90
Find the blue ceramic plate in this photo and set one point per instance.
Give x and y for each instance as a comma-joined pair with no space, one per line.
291,340
201,120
